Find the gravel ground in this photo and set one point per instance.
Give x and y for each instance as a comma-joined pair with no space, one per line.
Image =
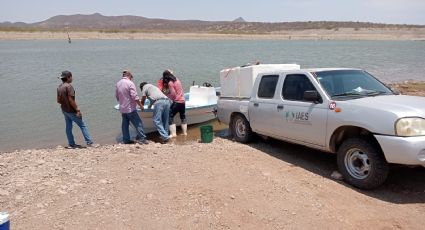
221,185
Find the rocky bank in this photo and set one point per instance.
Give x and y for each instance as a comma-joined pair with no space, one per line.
221,185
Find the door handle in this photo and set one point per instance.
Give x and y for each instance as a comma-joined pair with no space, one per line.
280,107
256,104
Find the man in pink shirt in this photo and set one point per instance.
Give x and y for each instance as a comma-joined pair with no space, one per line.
128,99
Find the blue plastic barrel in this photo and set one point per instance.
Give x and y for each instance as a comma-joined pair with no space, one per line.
4,221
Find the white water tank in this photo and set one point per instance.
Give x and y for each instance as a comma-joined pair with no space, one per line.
238,81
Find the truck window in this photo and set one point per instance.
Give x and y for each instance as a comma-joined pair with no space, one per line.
358,82
267,86
294,87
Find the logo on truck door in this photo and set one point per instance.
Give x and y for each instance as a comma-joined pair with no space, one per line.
298,117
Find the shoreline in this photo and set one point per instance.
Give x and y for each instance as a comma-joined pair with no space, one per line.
412,88
414,34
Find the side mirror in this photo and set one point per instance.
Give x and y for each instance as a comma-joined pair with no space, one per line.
313,96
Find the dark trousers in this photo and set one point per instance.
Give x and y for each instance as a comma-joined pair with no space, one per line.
179,108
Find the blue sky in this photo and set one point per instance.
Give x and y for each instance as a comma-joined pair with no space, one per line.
381,11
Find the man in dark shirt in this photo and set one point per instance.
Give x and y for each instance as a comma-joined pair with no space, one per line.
66,98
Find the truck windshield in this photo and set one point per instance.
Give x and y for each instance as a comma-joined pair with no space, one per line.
350,84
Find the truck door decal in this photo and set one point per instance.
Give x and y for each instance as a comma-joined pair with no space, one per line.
297,117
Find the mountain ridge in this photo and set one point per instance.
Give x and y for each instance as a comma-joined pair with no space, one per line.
100,22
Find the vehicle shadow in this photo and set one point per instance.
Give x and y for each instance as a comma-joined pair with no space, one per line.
404,185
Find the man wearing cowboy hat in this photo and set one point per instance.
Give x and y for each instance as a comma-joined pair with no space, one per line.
128,99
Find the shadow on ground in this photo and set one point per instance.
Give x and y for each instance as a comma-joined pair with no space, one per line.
404,185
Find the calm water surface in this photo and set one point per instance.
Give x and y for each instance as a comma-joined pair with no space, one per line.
31,118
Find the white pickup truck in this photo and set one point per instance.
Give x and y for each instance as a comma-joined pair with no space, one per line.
344,111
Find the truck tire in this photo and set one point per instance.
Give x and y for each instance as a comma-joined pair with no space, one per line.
362,163
241,130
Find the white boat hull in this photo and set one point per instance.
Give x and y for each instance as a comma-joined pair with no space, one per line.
200,108
194,115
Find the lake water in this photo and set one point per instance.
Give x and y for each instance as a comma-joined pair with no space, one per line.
31,118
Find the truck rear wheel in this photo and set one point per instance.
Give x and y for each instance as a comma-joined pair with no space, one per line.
362,163
241,129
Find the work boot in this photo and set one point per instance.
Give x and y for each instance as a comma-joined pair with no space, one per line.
173,132
165,141
93,145
143,142
184,129
74,146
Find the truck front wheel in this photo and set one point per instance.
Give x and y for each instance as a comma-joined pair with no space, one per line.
241,129
362,163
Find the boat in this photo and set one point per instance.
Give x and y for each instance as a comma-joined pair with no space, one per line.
201,106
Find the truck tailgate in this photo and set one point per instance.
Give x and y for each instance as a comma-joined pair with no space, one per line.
227,106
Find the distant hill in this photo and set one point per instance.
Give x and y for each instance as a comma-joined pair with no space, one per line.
141,24
240,19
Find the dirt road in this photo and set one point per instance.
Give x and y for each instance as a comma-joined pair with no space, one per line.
222,185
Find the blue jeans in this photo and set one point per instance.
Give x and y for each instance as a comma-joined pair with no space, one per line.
161,116
134,118
72,117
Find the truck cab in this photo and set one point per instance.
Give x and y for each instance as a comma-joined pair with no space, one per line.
289,105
